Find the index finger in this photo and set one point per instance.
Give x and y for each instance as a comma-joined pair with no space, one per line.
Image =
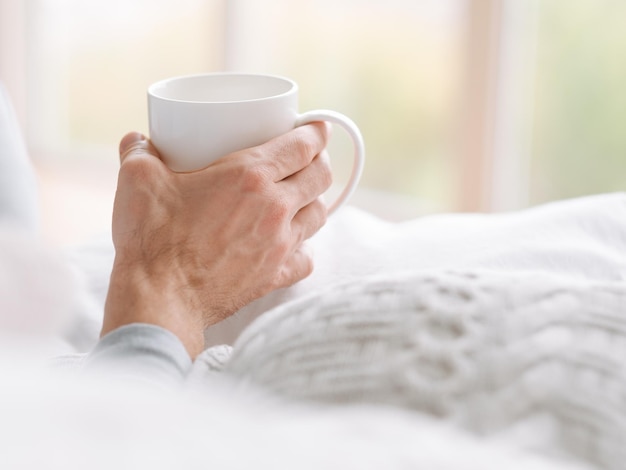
291,152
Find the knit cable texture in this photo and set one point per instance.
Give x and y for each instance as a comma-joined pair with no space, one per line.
532,358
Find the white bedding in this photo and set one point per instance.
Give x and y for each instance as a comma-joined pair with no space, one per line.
581,238
575,249
535,361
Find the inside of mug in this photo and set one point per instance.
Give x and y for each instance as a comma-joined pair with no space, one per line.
221,88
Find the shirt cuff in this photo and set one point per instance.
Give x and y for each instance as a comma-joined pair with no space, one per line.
142,353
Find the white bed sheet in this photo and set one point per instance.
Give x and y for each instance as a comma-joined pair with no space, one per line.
583,238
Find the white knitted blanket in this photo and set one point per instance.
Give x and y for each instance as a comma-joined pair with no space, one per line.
536,361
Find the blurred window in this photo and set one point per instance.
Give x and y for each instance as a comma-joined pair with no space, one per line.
579,141
464,104
90,62
394,66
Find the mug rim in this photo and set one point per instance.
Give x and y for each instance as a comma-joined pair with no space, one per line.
293,87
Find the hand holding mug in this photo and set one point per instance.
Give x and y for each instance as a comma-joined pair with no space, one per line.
193,248
196,244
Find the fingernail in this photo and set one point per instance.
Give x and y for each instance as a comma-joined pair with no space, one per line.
129,140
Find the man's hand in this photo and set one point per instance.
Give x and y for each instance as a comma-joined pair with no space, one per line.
193,248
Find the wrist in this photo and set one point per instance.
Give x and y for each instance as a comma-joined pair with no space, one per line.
135,296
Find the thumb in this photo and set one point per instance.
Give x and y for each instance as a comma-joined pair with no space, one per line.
135,142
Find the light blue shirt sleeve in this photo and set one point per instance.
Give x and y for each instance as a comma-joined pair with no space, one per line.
141,353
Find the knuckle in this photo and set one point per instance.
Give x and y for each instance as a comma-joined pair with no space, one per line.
307,267
280,250
304,144
316,218
308,144
326,175
294,272
280,210
322,212
284,247
254,178
277,213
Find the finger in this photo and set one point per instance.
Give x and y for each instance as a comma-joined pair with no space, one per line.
309,183
309,220
297,267
293,151
135,143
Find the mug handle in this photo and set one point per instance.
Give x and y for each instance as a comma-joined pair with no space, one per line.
359,147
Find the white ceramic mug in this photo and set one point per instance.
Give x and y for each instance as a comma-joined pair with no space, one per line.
197,119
